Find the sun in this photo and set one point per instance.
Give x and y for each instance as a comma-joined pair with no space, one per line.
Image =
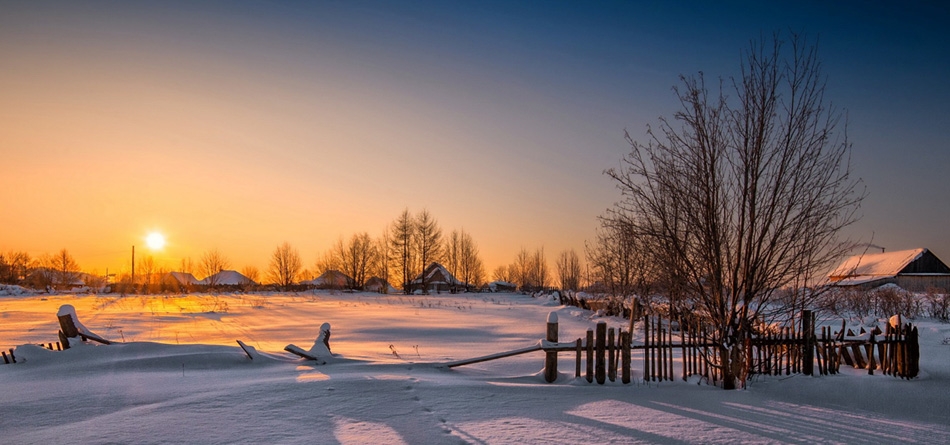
155,240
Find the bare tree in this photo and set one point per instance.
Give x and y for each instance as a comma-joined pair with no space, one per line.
356,257
252,276
401,252
538,270
569,270
503,273
428,243
186,266
380,265
66,269
745,191
211,263
453,253
285,264
471,271
146,267
462,259
14,267
328,261
521,269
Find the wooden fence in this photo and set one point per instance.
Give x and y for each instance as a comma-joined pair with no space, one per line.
782,351
785,351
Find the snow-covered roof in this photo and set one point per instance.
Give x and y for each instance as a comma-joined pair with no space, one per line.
330,278
227,278
877,265
183,278
437,273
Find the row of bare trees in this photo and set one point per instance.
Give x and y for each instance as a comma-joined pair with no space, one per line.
48,271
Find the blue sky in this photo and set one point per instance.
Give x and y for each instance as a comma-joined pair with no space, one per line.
240,125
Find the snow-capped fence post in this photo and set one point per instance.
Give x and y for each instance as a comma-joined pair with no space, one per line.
550,355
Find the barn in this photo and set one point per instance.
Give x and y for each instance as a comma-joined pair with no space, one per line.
915,270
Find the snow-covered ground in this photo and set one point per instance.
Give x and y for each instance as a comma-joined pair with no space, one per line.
179,376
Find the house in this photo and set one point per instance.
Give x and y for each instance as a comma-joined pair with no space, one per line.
915,270
331,279
501,286
436,278
229,278
179,281
379,285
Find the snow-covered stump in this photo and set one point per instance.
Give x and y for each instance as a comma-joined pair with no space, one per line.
72,328
550,355
320,348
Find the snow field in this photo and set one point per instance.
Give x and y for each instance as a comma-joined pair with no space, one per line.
181,377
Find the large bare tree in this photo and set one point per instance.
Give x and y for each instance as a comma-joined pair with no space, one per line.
746,190
285,264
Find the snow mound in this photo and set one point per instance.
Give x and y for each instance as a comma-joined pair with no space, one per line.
13,290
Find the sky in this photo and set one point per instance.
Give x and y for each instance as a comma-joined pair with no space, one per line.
238,126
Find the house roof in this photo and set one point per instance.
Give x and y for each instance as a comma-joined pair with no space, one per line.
227,278
183,277
437,273
878,265
330,278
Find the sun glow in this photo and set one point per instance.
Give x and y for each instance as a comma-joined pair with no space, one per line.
155,240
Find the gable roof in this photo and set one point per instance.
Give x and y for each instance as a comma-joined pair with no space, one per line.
876,264
332,278
182,278
437,273
869,267
228,278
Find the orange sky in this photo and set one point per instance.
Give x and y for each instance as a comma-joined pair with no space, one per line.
240,125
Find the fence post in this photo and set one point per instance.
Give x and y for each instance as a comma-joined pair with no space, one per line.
590,355
612,358
550,355
646,348
601,367
808,336
577,370
625,356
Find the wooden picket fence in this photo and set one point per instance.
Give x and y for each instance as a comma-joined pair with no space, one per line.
608,353
784,351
